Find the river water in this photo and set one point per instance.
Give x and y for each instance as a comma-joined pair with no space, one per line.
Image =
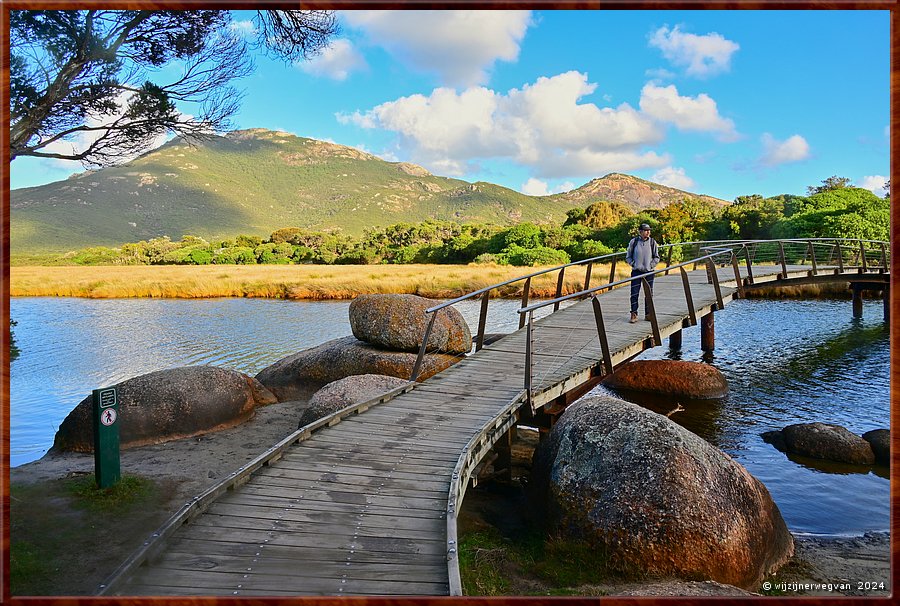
786,362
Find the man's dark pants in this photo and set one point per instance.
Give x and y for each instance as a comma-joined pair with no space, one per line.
636,289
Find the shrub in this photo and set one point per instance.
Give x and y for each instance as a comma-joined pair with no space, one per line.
541,255
587,249
200,256
486,258
96,255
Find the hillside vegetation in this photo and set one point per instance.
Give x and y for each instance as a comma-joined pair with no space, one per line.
599,229
257,181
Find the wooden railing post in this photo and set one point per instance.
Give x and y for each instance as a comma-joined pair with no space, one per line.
612,271
783,261
526,292
669,259
688,296
883,258
812,257
737,275
862,254
587,276
711,268
482,320
601,334
840,256
651,311
749,269
529,356
418,365
559,287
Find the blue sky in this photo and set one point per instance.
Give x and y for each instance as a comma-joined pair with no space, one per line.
724,103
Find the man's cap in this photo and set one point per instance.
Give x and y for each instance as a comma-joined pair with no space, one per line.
644,227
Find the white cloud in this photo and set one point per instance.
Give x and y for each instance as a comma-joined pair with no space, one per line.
702,56
659,74
698,113
460,46
244,28
775,152
82,140
542,125
673,177
874,183
536,187
337,61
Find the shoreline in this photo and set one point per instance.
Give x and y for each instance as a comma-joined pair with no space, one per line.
183,468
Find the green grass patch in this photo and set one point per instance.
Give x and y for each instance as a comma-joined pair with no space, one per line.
488,561
118,497
29,567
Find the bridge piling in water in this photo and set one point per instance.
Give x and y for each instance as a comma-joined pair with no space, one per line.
857,288
708,331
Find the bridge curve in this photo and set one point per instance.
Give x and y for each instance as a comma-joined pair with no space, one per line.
366,504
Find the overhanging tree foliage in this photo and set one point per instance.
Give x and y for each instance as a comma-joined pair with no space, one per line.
94,85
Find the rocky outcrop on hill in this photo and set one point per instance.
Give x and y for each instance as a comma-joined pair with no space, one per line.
670,377
398,322
822,441
880,441
636,194
656,497
299,375
346,392
168,405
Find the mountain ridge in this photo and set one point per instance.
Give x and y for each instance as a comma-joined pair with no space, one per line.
255,181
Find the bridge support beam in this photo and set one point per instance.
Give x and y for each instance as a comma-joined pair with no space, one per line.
708,331
675,341
503,462
856,287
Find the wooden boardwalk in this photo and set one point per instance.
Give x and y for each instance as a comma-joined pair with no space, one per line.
366,506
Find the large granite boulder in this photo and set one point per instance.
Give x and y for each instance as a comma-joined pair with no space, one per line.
346,392
670,377
880,441
398,322
168,405
656,497
299,375
822,441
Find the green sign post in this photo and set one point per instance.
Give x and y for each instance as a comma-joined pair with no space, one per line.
106,436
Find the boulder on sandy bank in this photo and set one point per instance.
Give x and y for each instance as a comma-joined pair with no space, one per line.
670,377
880,441
299,375
168,405
346,392
656,497
398,322
822,441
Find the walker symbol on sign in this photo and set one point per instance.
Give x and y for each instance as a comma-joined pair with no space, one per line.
108,417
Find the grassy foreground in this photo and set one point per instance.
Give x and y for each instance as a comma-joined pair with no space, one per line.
283,281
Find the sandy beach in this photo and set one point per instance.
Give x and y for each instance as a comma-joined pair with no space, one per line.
183,468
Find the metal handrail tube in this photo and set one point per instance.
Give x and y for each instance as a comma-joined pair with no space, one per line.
584,293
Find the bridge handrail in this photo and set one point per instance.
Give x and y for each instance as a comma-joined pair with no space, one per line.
594,289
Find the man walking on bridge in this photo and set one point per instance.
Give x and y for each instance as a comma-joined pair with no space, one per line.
643,256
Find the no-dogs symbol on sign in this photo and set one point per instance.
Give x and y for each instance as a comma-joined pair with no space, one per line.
108,416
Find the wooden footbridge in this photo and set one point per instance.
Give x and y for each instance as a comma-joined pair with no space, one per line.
367,503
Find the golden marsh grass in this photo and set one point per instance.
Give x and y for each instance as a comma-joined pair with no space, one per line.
284,281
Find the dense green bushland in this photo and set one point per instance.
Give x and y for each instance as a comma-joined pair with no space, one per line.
835,210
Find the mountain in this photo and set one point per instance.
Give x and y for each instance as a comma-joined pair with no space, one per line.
636,194
256,181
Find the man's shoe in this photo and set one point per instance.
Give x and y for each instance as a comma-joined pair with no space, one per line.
633,317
